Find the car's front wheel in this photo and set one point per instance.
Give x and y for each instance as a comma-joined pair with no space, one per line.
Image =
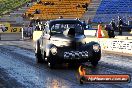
94,63
95,59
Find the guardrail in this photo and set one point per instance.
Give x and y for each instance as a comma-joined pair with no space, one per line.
16,34
114,45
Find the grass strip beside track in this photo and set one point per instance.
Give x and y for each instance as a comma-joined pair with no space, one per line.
9,5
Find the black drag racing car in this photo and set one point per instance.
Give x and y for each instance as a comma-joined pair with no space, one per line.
63,41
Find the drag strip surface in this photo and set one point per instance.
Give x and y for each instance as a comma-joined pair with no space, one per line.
20,66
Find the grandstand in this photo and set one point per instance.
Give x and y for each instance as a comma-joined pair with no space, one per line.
100,11
110,9
56,8
92,8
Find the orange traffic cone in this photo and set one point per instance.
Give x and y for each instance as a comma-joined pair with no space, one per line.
99,35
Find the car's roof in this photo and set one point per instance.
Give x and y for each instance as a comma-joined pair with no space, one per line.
65,21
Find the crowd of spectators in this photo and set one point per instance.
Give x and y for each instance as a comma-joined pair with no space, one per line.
112,27
35,24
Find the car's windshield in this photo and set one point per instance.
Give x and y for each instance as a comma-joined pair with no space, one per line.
60,28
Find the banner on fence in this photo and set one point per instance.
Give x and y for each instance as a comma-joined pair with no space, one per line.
6,28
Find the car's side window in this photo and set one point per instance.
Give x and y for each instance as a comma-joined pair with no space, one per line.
57,29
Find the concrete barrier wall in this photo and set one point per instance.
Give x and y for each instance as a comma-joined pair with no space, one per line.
90,32
114,45
108,44
10,36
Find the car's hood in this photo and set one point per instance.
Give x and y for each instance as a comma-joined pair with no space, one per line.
62,40
66,38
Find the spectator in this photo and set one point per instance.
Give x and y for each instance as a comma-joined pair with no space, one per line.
27,4
47,3
24,15
29,15
84,24
112,23
61,17
108,29
38,27
78,6
40,2
52,3
3,28
37,21
77,19
30,25
32,22
89,26
113,27
89,21
37,11
86,6
42,26
120,23
30,31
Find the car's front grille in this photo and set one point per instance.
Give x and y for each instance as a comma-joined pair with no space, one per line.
75,54
70,51
75,45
